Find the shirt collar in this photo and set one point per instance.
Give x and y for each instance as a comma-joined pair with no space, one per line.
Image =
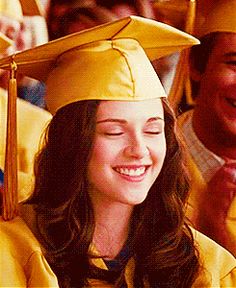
207,162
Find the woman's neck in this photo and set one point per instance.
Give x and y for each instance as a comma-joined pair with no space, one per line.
111,228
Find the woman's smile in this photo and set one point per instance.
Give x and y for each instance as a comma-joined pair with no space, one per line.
133,173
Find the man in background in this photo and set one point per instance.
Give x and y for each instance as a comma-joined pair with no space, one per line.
210,128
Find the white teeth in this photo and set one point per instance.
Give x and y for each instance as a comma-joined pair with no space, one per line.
131,172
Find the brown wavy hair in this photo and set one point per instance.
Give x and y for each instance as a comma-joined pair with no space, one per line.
162,243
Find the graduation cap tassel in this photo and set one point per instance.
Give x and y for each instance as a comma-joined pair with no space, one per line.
10,199
189,29
181,83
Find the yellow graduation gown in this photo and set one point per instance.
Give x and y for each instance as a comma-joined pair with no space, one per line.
21,260
23,264
198,187
31,122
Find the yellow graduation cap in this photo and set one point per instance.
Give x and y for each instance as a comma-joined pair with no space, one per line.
182,13
82,65
107,62
220,19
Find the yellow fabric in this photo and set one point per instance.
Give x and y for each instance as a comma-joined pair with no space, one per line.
109,70
21,260
219,264
23,265
31,122
12,9
198,187
220,19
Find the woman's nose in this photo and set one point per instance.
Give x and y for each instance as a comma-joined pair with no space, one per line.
136,148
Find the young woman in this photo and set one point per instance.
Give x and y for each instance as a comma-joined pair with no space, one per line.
110,184
109,192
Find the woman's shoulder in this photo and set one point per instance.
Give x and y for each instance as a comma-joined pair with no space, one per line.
17,241
22,262
17,234
218,264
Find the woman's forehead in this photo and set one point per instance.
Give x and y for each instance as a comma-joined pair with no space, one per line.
131,109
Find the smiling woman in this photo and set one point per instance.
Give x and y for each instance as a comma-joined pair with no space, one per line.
111,187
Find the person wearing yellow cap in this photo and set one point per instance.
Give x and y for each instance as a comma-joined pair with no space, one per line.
31,119
210,130
110,182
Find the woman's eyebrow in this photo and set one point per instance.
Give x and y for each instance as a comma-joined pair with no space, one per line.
152,119
122,121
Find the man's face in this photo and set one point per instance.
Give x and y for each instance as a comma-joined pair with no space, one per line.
217,93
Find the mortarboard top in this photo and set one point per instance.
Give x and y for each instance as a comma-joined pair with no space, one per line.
157,40
220,19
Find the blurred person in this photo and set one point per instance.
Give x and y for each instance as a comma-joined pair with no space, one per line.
111,188
34,32
66,17
10,26
31,119
210,128
34,29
